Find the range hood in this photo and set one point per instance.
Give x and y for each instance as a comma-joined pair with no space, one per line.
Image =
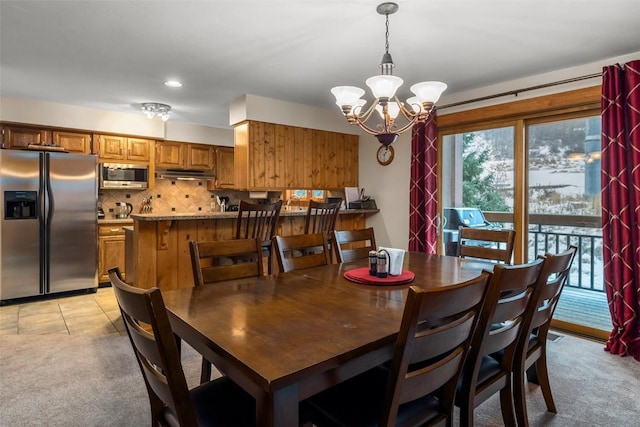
184,175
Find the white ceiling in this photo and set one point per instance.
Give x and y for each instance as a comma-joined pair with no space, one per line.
114,55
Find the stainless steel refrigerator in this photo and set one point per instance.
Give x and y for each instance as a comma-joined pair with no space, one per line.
48,229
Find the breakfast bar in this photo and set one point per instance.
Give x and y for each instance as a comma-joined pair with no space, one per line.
157,254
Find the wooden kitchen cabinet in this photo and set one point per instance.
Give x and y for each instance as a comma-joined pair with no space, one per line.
170,154
18,137
184,155
114,147
200,157
224,167
111,252
73,142
269,156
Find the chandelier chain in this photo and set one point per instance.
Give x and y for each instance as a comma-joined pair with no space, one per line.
386,34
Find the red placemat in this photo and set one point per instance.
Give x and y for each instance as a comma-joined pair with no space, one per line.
361,275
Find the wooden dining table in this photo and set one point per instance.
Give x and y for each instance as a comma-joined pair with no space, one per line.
286,337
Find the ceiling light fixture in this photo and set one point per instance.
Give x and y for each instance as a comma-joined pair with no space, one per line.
152,109
173,83
384,87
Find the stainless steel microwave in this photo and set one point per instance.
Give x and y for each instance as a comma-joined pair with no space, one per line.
123,176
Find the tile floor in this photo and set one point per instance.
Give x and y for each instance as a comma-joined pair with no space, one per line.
85,314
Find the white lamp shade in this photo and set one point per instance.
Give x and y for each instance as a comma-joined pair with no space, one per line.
428,91
415,105
392,108
347,95
384,86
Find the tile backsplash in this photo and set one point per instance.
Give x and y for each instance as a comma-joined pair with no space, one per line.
172,196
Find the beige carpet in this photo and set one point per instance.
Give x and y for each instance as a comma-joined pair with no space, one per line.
95,381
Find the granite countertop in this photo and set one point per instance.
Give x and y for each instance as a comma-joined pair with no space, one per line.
107,220
230,215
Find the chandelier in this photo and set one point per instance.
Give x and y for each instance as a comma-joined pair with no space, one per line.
386,103
152,109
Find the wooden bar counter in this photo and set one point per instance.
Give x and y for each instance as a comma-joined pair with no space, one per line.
158,252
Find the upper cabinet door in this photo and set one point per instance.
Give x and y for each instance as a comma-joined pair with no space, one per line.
138,149
170,154
200,157
79,143
21,137
112,147
224,167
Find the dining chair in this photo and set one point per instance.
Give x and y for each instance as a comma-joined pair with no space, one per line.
221,260
354,244
493,245
498,329
419,386
260,221
321,218
301,251
215,403
531,354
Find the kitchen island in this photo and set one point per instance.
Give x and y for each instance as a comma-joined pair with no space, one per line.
157,254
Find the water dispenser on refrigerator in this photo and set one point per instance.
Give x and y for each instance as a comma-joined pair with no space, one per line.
20,205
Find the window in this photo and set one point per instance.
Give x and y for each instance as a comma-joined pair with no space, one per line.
306,195
478,170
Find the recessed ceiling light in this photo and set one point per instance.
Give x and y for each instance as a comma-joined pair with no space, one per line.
173,83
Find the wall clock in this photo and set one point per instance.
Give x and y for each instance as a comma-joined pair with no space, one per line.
385,155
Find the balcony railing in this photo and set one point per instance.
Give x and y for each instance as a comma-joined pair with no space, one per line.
554,233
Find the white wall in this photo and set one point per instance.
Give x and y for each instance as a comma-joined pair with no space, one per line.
67,116
187,132
253,107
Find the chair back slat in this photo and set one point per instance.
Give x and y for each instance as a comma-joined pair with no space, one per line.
301,251
353,244
436,376
147,324
443,338
493,245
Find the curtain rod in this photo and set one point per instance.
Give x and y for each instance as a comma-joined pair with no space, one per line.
517,91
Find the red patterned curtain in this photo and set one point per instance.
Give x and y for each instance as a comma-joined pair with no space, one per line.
423,190
621,204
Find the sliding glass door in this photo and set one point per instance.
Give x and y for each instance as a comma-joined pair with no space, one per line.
563,198
541,177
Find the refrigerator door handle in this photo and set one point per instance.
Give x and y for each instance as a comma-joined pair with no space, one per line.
42,216
46,221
